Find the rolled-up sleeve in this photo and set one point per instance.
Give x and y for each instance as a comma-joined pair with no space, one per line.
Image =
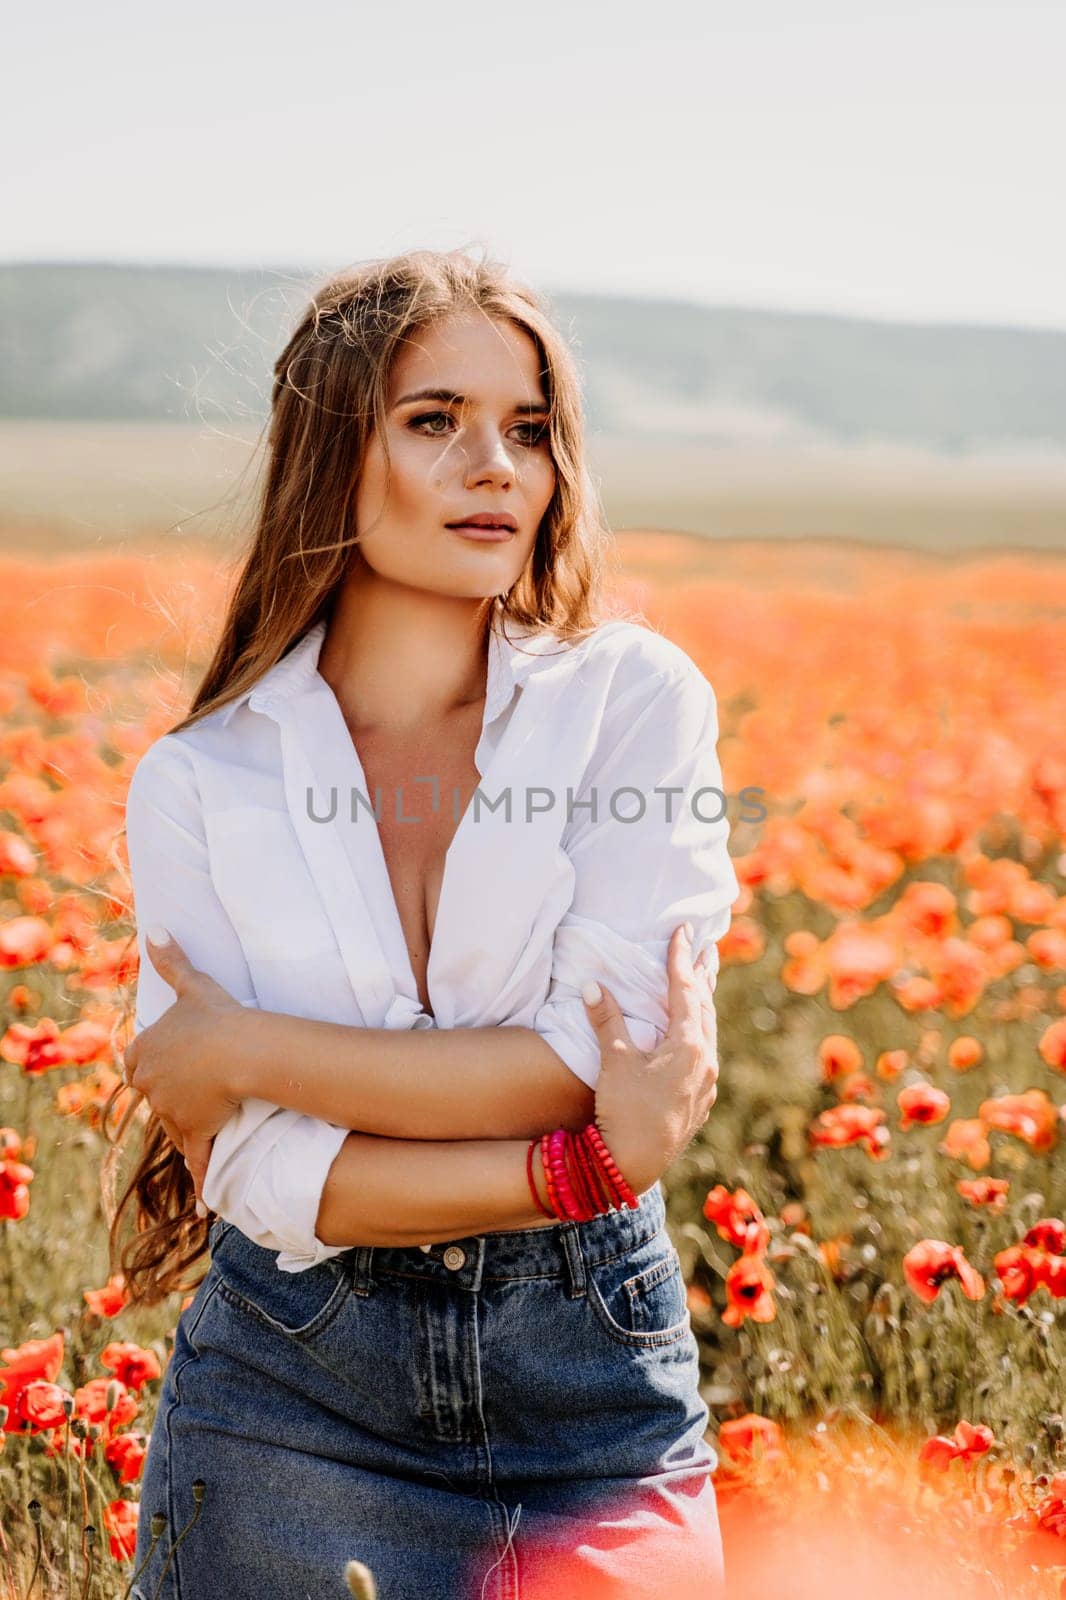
268,1164
648,841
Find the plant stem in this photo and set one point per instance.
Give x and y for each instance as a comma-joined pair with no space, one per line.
70,1487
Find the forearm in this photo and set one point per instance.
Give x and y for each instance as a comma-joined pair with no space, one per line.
407,1192
425,1083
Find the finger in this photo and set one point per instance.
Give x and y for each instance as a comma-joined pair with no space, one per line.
167,956
706,985
701,967
683,990
197,1156
706,998
705,967
709,1080
606,1017
703,984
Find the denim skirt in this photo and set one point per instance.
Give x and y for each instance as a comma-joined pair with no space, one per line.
509,1416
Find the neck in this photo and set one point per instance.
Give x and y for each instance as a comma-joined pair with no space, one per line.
399,659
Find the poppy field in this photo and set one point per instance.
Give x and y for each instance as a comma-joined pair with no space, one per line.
873,1221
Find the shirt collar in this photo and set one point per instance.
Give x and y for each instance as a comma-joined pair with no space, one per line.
510,662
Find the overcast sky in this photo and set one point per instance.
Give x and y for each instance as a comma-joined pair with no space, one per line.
896,160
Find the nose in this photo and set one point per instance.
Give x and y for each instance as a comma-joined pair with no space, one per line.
488,460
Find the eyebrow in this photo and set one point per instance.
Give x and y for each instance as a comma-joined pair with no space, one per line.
449,397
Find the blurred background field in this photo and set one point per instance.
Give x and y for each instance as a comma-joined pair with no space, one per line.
76,485
131,399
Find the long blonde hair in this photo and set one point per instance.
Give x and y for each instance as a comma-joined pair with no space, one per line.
329,396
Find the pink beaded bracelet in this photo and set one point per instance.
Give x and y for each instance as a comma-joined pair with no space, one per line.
581,1177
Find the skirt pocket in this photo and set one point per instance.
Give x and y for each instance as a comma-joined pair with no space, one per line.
300,1305
639,1296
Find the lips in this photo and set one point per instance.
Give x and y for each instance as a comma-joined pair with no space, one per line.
501,521
474,533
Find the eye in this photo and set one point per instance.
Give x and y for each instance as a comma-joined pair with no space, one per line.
537,432
427,416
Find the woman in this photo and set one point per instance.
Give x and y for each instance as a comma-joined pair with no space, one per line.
408,1349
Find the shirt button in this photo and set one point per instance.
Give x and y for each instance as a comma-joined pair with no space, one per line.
454,1258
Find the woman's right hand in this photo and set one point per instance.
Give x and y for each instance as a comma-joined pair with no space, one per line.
650,1105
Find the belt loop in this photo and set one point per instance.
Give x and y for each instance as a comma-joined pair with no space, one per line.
363,1269
575,1261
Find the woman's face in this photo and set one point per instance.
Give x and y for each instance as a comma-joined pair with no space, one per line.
479,445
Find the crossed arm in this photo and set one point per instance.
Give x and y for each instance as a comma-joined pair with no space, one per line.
206,1049
375,1137
439,1119
430,1160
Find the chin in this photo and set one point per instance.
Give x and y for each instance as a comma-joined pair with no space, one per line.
461,586
482,579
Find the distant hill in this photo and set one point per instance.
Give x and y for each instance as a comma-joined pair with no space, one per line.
106,342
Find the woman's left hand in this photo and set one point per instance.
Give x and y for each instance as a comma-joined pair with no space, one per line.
179,1062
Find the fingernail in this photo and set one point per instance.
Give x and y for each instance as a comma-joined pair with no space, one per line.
688,932
591,993
157,934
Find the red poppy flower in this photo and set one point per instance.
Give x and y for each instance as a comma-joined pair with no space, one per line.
1048,1234
1032,1117
126,1453
1018,1269
752,1438
110,1300
130,1363
970,1440
38,1360
91,1400
890,1063
749,1285
15,1179
966,1140
932,1262
837,1056
120,1520
732,1214
843,1125
1052,1044
25,941
41,1405
990,1192
965,1052
922,1103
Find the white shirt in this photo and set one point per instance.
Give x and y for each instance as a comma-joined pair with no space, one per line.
297,915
